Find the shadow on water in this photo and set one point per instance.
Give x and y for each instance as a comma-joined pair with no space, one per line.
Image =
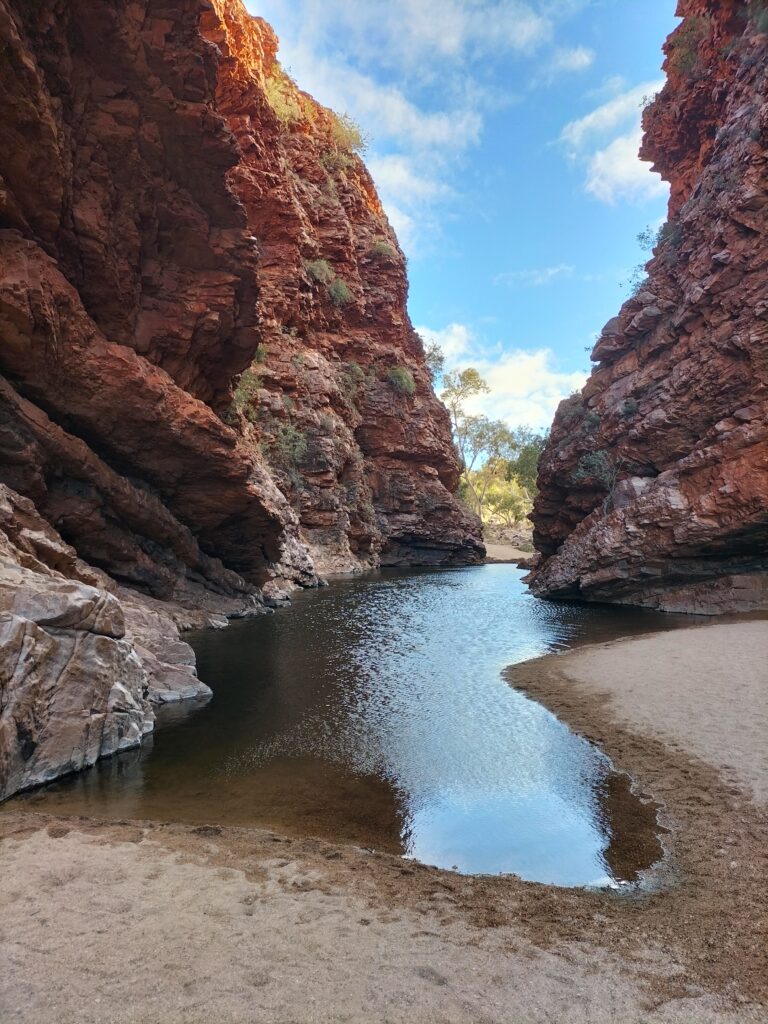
374,712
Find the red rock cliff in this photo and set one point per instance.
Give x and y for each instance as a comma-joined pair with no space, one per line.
654,485
172,211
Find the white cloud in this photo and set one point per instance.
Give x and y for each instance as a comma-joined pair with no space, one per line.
534,278
420,76
566,61
606,142
526,386
413,34
616,172
401,175
454,340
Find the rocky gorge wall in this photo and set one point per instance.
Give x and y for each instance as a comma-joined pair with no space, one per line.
210,389
654,483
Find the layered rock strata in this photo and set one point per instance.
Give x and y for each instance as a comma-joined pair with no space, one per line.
81,662
654,484
210,389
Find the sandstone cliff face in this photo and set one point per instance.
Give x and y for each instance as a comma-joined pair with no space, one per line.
157,218
210,390
654,485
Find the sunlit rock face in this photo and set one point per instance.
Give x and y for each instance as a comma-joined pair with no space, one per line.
654,484
157,221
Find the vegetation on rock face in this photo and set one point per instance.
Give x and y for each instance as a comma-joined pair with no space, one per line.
600,467
245,395
684,57
383,250
320,270
352,379
758,13
283,96
401,379
346,138
347,134
339,292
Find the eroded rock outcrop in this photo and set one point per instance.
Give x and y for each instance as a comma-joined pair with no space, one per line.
654,485
162,222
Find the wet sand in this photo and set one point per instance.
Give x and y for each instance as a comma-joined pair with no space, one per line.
134,922
502,553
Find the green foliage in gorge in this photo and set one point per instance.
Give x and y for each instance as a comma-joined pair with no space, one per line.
401,379
499,463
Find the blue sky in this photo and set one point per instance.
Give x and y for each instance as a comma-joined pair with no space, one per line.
503,137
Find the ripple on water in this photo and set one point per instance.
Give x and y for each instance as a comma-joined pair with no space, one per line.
374,711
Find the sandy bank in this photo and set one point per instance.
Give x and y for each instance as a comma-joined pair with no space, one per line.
701,691
503,553
137,922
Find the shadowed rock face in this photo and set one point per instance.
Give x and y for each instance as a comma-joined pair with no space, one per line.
157,225
156,222
654,485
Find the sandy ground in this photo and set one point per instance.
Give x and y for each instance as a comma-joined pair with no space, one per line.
138,922
504,553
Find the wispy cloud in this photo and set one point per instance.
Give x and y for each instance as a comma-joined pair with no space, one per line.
579,58
606,142
535,277
420,76
526,384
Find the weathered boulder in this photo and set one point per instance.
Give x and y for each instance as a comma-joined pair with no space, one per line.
79,666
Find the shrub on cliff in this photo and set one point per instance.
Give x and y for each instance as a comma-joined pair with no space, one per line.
283,95
289,447
339,292
684,57
352,379
346,138
319,270
245,395
381,249
346,134
401,379
598,466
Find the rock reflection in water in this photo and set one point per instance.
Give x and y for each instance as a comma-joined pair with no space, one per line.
374,712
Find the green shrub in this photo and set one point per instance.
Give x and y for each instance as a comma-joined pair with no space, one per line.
381,249
339,292
245,394
629,408
684,47
261,353
401,379
593,418
351,379
572,409
347,135
283,96
335,160
596,465
297,361
289,447
319,270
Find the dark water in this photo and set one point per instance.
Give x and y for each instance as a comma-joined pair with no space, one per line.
374,712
